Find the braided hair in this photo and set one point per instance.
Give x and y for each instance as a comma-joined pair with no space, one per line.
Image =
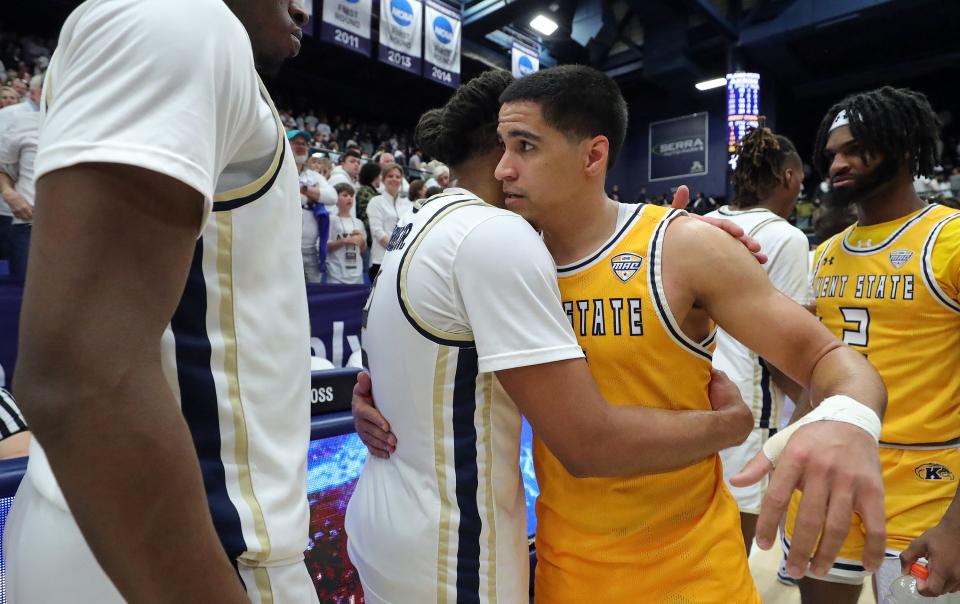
892,122
467,125
761,156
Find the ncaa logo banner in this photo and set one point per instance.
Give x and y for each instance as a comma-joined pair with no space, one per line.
678,147
525,60
401,32
441,44
346,23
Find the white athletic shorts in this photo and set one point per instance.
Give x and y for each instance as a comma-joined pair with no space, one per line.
48,560
734,459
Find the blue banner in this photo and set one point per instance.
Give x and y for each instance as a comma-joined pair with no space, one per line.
524,60
678,147
335,316
401,34
346,23
441,55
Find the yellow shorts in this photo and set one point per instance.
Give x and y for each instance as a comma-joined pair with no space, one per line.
918,487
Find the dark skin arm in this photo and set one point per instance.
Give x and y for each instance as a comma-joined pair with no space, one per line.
939,546
111,249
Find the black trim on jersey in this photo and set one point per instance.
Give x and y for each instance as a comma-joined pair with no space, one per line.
607,245
11,411
655,293
858,568
926,265
467,475
198,403
766,407
403,260
944,444
889,240
233,204
710,338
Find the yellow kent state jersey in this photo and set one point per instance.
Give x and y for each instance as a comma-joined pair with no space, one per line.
669,537
892,291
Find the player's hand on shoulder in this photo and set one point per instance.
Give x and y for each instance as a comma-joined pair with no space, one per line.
371,426
939,546
726,400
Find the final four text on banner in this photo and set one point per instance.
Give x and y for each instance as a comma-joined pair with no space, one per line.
442,48
401,30
525,60
678,147
346,23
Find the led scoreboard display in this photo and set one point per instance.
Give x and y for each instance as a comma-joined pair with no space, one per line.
743,108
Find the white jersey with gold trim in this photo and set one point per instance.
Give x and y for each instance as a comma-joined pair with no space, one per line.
465,290
236,353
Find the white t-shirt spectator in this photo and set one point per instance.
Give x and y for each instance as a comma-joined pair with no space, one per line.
383,213
18,151
345,264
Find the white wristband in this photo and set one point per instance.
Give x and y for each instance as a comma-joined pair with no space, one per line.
837,408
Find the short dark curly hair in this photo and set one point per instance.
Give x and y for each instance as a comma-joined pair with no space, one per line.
467,125
893,122
577,100
761,156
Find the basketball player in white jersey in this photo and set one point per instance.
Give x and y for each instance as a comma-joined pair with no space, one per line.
767,181
464,330
164,353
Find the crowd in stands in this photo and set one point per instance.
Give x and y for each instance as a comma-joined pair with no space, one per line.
357,177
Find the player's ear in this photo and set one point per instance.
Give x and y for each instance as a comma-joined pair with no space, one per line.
597,152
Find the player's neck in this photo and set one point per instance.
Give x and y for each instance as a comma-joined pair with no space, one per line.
581,232
890,204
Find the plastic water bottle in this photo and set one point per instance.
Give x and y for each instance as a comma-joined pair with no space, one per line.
904,589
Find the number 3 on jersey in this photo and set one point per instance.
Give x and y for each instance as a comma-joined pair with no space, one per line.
859,319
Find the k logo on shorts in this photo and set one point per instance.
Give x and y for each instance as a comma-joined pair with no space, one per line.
934,471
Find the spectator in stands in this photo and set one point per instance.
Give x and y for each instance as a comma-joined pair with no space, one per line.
615,193
805,214
416,159
440,178
642,195
417,189
347,241
320,164
348,171
431,191
383,213
955,182
387,158
703,204
8,96
20,86
315,194
14,436
369,188
323,128
18,150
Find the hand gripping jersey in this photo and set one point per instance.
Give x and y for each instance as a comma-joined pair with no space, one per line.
465,290
670,537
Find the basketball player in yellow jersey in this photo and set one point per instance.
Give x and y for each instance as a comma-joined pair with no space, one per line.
889,286
640,285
